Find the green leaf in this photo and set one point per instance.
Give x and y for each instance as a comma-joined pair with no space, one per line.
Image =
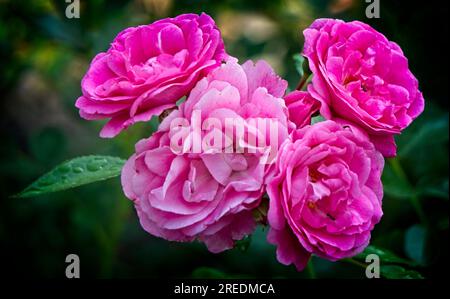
301,65
299,60
437,189
398,272
390,264
317,119
395,185
423,151
181,101
386,256
74,173
415,241
433,132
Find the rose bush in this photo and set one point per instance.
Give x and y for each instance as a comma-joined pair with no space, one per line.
195,179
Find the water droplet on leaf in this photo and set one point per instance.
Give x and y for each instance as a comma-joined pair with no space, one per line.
94,166
64,168
78,169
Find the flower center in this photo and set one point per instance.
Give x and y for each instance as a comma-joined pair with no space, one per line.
314,175
311,205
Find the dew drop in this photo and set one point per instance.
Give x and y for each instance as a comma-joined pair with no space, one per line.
94,166
100,159
77,169
64,168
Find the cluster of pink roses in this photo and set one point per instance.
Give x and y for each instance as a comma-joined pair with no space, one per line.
324,188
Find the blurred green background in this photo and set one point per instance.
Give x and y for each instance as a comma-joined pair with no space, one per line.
43,56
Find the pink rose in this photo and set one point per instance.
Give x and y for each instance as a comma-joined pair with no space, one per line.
207,196
301,107
361,76
326,196
148,68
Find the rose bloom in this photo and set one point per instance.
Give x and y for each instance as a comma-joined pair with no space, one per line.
361,76
301,107
148,68
326,195
208,196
